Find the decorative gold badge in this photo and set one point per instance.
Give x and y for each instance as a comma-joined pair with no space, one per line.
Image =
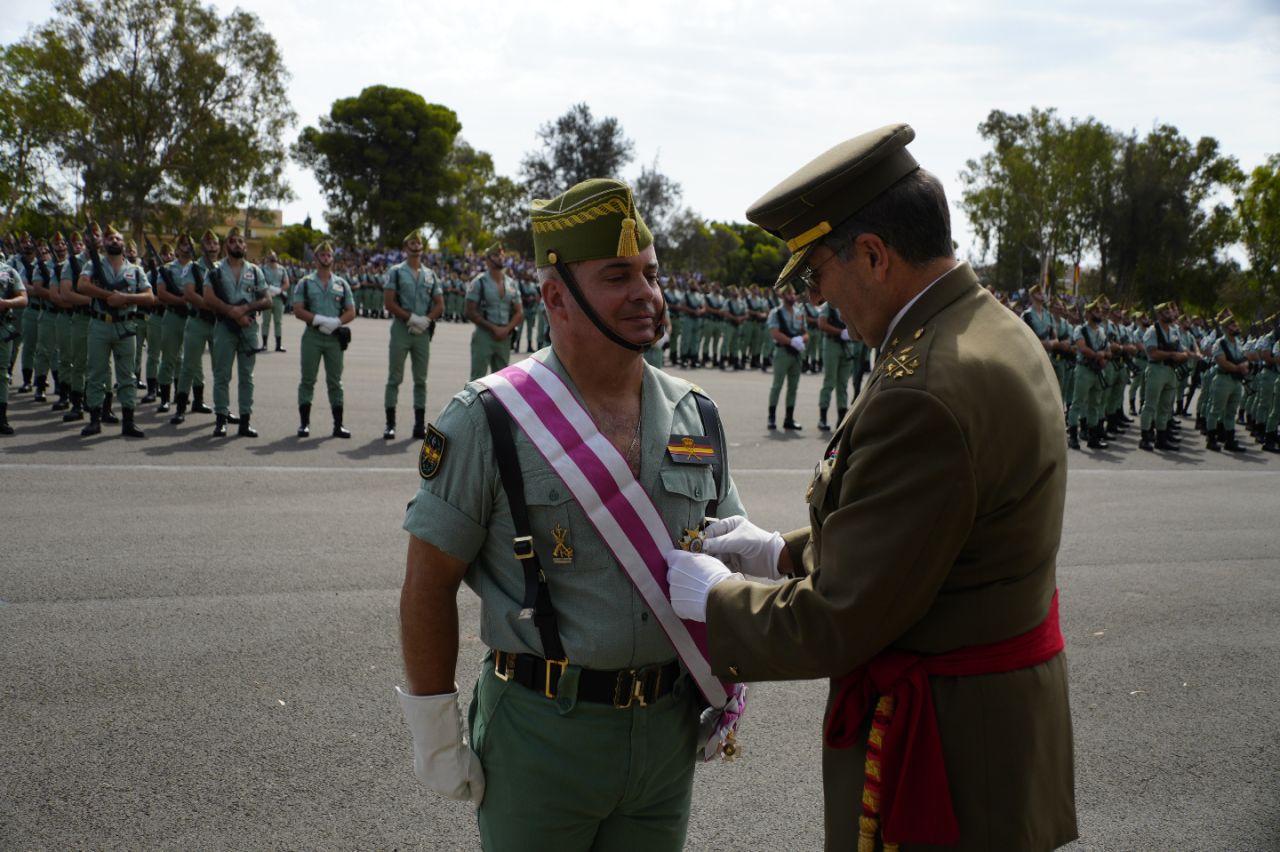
900,364
562,553
691,540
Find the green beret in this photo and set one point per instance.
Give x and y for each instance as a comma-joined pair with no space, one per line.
830,189
593,220
325,246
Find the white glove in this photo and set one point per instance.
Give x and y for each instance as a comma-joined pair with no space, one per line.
844,335
691,576
797,343
273,291
442,760
417,324
744,545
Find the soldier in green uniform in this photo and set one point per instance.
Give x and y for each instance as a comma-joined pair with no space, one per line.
758,308
197,337
169,293
61,331
1228,386
13,297
278,289
928,569
1138,331
1163,347
837,364
530,298
118,289
735,325
74,343
674,297
787,332
145,347
1093,353
29,317
1046,328
695,312
493,306
324,301
413,296
713,327
560,757
811,360
1271,440
235,290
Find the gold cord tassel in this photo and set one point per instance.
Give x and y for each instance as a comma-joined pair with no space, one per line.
867,834
627,245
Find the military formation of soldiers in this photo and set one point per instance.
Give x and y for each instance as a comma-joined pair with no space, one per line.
66,322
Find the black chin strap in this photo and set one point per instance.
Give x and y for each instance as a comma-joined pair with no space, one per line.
572,283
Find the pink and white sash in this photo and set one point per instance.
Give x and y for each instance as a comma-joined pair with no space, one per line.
623,515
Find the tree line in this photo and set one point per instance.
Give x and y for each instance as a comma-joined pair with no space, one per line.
164,114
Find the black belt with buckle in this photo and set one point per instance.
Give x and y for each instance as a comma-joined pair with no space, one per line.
618,688
207,316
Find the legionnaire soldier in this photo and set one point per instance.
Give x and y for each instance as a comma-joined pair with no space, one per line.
493,306
1228,386
13,296
1093,352
324,301
584,724
1045,326
48,354
415,299
61,333
145,346
25,264
691,327
837,364
113,330
75,348
529,301
1163,346
197,337
235,291
786,328
168,290
278,289
925,582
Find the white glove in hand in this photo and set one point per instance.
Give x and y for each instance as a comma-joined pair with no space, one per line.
442,760
844,335
318,321
691,576
744,545
417,324
797,343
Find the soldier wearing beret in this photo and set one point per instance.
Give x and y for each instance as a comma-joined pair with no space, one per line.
324,301
413,296
493,306
924,585
583,724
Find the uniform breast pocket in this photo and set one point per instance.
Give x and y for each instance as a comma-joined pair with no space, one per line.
686,490
821,484
558,527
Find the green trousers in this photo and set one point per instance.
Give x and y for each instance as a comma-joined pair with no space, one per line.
1272,415
6,353
1087,402
690,336
155,343
569,776
75,355
1227,392
1157,400
417,347
1117,373
487,354
30,336
195,340
317,346
239,349
63,329
1139,383
275,315
110,341
837,367
172,330
47,347
1264,383
530,329
786,365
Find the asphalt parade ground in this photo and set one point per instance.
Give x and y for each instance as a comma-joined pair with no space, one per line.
200,635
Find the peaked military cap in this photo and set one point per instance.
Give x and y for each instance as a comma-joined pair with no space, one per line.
592,220
829,189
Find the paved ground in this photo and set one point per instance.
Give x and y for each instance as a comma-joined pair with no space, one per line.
199,636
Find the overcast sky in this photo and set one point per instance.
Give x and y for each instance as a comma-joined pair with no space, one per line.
732,97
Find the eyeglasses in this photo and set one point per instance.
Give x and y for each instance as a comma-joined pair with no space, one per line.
809,277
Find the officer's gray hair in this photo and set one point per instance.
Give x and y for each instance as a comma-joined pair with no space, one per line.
911,217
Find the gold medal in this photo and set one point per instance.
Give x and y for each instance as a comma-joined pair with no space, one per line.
691,541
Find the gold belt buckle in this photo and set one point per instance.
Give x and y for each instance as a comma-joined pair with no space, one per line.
502,672
546,685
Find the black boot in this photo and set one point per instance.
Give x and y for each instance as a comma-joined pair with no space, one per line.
1073,436
127,428
263,348
773,417
153,390
338,431
94,426
1132,409
245,430
304,421
1201,426
164,398
40,386
26,382
1146,443
63,403
197,401
1271,443
109,416
77,408
5,428
790,422
1109,425
840,413
233,419
1097,438
220,426
181,415
1231,444
419,423
822,420
279,348
389,433
1211,440
1163,442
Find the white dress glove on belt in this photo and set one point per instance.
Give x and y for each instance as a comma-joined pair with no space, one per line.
417,324
797,343
691,577
744,546
442,760
844,335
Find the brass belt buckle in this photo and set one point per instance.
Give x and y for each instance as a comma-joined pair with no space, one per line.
502,672
546,685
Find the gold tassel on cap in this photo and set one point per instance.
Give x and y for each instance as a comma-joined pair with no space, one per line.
627,245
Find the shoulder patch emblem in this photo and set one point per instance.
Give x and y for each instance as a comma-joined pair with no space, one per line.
432,455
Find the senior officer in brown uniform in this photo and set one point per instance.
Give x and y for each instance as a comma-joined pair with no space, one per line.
927,574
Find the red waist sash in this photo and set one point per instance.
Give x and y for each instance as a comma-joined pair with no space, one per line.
906,777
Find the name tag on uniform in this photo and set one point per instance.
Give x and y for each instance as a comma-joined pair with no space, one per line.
690,449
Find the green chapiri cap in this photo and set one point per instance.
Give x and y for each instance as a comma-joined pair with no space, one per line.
109,230
1099,301
324,246
810,203
415,234
593,220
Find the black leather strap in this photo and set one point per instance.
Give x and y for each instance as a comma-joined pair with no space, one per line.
712,429
537,594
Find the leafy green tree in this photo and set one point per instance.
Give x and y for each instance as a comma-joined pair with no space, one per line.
658,199
485,206
575,147
160,106
1258,215
29,129
294,240
382,161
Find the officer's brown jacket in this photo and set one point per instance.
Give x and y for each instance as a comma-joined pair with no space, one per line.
935,522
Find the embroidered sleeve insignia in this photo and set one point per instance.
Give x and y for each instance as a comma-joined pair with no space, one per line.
432,455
